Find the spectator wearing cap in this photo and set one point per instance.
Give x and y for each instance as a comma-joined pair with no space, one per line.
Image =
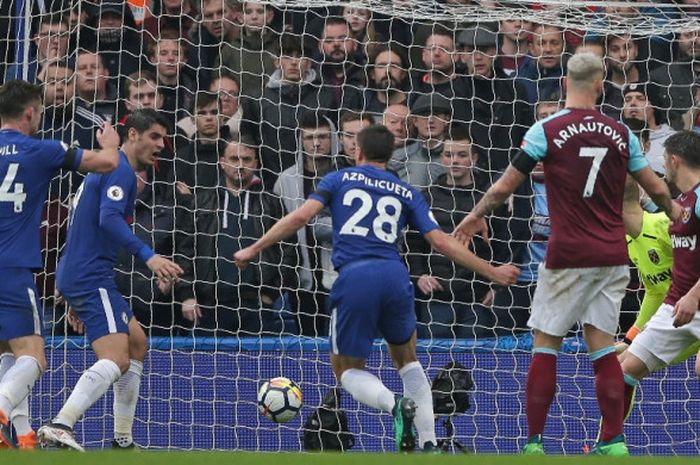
493,103
50,45
273,116
638,106
542,76
438,74
251,58
514,44
112,30
671,87
621,53
419,163
388,82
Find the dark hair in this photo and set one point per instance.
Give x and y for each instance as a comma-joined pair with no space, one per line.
138,77
169,34
50,20
204,98
440,30
142,120
459,132
314,120
686,145
244,139
381,48
638,128
290,45
349,116
335,21
377,143
16,96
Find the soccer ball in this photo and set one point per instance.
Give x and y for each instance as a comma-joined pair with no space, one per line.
279,399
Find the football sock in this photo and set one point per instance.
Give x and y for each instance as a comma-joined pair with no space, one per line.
416,387
367,389
91,386
126,395
18,382
610,391
540,389
20,415
630,391
7,359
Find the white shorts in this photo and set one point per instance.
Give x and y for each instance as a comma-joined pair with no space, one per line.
587,295
660,343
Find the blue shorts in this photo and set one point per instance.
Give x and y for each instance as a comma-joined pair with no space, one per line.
103,311
371,298
20,314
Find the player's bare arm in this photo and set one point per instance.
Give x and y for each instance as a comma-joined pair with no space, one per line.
449,246
685,309
474,222
163,268
658,191
105,160
284,228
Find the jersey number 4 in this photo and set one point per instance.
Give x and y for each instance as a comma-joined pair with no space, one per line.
17,195
597,153
384,217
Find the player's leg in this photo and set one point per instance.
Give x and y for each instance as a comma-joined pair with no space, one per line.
26,437
126,389
417,388
106,316
540,388
600,320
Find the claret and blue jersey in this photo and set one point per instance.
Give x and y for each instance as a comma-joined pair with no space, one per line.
370,208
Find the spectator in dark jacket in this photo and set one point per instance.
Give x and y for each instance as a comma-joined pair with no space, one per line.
351,123
542,76
154,224
223,299
168,55
293,90
621,53
388,80
452,291
494,104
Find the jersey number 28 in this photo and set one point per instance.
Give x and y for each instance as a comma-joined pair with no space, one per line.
384,217
17,196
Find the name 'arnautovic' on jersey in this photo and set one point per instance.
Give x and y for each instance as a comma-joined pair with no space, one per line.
99,228
586,157
370,207
26,168
686,250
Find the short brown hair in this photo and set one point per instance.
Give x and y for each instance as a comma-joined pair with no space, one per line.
16,96
349,116
377,143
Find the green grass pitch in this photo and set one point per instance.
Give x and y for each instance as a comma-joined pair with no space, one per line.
242,458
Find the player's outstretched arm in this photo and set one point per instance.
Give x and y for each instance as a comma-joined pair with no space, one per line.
474,222
450,247
687,306
658,191
105,160
284,228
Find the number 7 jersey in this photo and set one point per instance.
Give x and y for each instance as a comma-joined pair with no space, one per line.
370,207
586,157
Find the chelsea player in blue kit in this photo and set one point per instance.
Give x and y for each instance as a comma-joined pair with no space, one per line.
85,277
26,168
373,293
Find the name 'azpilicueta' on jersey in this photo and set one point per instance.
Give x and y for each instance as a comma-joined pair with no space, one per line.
684,242
380,183
590,126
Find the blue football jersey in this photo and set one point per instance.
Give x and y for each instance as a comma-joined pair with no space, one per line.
26,168
370,207
99,228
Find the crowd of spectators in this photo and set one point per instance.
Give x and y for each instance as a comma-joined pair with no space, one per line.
263,102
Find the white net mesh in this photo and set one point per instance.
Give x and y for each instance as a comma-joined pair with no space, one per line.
298,80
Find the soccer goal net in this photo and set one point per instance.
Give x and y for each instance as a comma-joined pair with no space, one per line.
264,98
